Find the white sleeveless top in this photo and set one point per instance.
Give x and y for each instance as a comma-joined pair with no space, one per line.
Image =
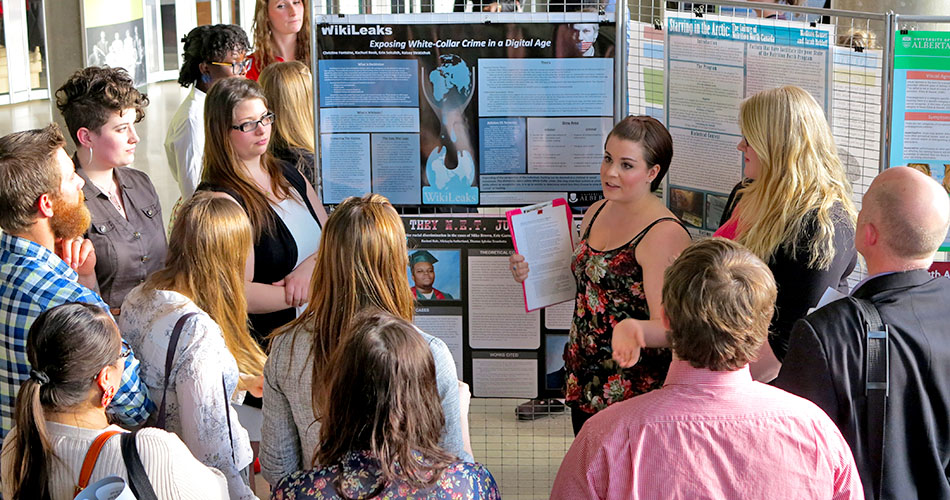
301,224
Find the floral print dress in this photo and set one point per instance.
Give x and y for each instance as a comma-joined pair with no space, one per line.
359,476
609,289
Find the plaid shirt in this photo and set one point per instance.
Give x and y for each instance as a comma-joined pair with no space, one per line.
33,279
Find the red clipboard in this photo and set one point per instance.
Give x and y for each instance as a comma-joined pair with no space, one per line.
558,204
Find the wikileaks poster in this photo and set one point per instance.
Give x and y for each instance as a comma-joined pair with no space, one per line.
464,114
465,295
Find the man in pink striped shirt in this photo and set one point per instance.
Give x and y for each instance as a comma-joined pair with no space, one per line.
711,431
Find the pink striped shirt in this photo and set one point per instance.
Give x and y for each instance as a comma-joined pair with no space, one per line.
715,435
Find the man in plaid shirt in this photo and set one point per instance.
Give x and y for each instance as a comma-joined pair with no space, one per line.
45,262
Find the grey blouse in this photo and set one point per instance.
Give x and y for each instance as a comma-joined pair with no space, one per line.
290,434
127,251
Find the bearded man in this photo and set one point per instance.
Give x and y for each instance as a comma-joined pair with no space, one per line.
45,261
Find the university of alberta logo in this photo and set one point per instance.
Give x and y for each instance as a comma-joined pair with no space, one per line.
906,42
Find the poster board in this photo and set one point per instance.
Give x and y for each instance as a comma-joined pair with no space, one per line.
712,64
920,114
115,36
465,114
499,349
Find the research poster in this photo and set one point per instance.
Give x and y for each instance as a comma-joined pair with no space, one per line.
920,127
465,295
856,115
464,114
713,63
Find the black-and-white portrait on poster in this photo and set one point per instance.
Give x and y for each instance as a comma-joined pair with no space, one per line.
118,46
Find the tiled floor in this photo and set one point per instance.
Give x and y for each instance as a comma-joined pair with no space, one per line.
522,455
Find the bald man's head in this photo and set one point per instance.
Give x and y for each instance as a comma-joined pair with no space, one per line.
910,211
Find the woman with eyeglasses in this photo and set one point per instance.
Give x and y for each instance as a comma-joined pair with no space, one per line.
200,293
285,212
210,54
76,356
281,33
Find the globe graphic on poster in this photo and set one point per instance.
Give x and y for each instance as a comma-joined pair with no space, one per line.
442,177
451,83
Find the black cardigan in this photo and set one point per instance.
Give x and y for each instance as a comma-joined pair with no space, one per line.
800,287
275,253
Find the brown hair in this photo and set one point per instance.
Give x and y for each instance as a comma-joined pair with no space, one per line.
67,346
289,90
380,395
207,249
653,137
28,170
222,167
263,44
361,263
719,299
92,94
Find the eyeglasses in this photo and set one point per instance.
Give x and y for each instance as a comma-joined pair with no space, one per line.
251,126
237,68
125,351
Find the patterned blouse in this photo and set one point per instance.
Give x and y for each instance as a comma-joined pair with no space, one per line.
195,405
609,289
359,477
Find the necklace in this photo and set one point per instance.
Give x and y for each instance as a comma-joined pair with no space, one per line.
113,196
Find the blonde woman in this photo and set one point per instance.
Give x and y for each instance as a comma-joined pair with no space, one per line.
288,87
796,214
210,242
361,263
281,33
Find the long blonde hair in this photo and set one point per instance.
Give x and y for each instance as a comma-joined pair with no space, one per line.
207,250
801,178
264,44
221,165
288,87
362,262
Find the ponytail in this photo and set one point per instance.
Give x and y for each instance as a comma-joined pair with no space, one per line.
33,454
67,346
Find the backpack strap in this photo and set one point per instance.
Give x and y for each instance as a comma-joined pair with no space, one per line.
169,358
227,413
139,482
877,367
92,456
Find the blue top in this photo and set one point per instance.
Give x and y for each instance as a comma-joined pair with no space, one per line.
32,280
359,476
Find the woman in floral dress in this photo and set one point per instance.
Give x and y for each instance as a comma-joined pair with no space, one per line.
380,423
628,240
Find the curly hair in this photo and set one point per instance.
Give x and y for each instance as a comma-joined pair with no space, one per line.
209,43
263,45
92,94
